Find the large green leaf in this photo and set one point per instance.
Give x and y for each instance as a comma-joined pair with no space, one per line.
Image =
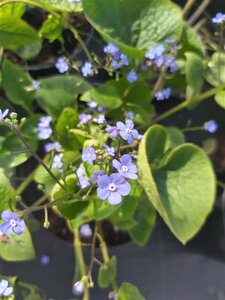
16,9
181,186
15,83
18,248
107,272
15,33
134,25
215,71
128,291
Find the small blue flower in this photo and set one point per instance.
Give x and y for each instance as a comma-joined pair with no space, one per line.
211,126
89,155
124,60
85,118
163,94
57,161
45,260
78,288
112,130
219,18
112,50
5,290
132,76
97,175
85,231
3,114
100,120
155,52
44,128
92,104
12,223
170,62
125,167
126,131
87,69
62,65
112,188
55,146
129,115
109,150
83,180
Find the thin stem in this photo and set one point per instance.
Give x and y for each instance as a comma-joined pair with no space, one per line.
105,253
93,251
185,103
199,128
187,7
79,39
40,200
198,12
80,261
36,156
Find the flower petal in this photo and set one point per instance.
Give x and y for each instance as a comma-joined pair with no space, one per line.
114,198
124,135
116,164
103,194
3,284
130,175
130,139
133,168
5,227
134,133
120,126
124,188
104,181
129,124
126,159
8,291
8,215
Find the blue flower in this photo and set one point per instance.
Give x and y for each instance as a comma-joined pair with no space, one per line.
85,118
125,167
12,223
211,126
57,161
112,130
109,150
83,180
129,115
44,129
87,69
112,188
163,94
155,52
5,290
3,114
92,104
89,155
100,120
85,231
78,288
126,131
112,50
62,65
219,18
53,146
45,260
132,76
170,62
97,175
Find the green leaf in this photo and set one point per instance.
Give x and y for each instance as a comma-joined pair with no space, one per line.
100,210
15,83
58,92
18,248
190,42
128,291
29,52
215,71
106,95
7,192
15,33
220,98
194,74
181,188
52,28
107,272
145,217
134,25
15,9
176,136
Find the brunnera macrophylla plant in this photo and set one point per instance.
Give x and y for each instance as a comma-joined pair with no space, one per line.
88,114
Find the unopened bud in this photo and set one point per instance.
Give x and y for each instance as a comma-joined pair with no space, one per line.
13,115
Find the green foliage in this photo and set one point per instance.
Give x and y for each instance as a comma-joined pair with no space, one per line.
181,187
107,272
15,33
215,70
16,84
18,248
134,25
7,192
15,9
52,28
220,98
128,291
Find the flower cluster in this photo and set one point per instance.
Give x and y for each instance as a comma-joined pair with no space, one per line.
5,290
163,94
159,56
62,65
44,128
87,69
117,59
219,18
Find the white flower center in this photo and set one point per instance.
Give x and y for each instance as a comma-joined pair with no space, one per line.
124,168
112,187
12,223
128,131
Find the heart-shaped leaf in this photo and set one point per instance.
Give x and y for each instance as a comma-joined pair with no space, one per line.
181,186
